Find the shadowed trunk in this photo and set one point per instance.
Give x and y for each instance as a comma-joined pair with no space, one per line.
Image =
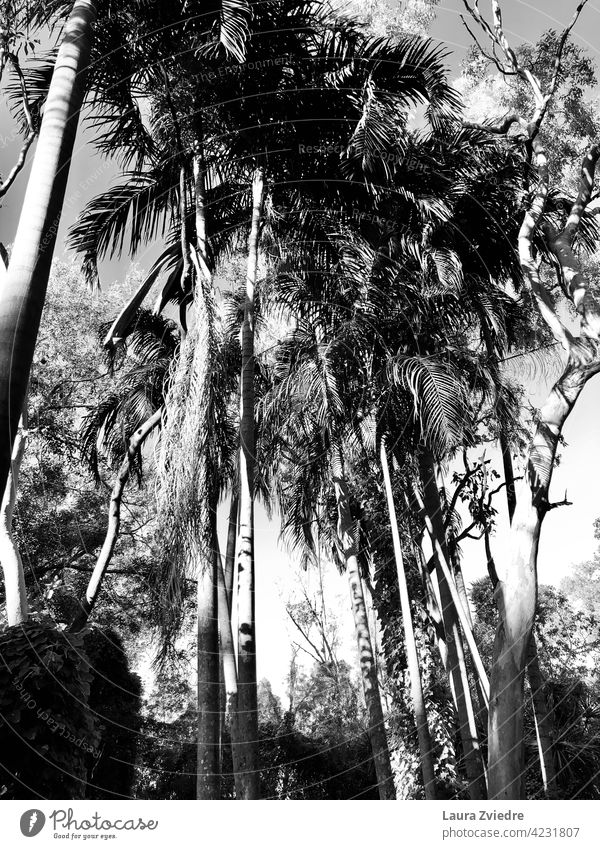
22,297
208,776
247,778
412,657
114,522
456,663
232,534
377,733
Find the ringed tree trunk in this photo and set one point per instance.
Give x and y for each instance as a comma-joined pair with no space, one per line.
22,297
17,610
114,522
412,656
376,730
207,773
228,665
246,768
458,678
232,535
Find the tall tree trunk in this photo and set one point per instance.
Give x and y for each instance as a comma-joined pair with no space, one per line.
516,594
543,717
208,778
412,656
17,610
541,712
482,698
207,775
247,774
377,733
114,522
459,681
232,535
227,649
228,668
22,297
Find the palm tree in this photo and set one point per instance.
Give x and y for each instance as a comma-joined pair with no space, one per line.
22,297
414,670
151,197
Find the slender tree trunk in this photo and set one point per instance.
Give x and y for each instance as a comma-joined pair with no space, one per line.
247,774
227,649
377,733
22,297
459,680
232,534
412,656
462,593
543,721
207,776
114,522
17,610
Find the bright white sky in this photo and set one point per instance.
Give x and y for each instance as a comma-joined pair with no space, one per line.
568,534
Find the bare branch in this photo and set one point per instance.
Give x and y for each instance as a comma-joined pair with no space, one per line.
491,57
576,286
500,129
529,264
31,128
564,503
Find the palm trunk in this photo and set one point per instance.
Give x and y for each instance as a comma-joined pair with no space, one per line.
247,775
114,522
412,657
377,733
22,297
17,610
229,690
482,697
543,721
232,534
458,677
207,775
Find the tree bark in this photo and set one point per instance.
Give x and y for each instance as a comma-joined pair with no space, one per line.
543,717
376,730
22,297
247,775
516,590
17,610
457,671
412,656
114,522
207,775
232,535
542,714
